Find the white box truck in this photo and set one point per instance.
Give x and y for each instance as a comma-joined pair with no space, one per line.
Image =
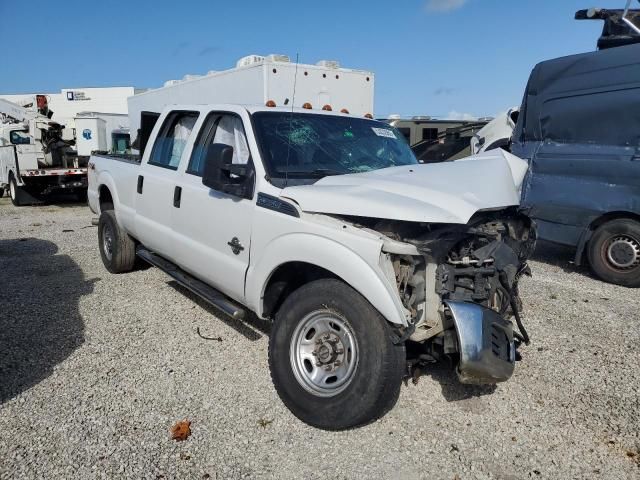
257,80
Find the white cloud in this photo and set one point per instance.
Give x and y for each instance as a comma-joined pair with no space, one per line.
453,115
444,5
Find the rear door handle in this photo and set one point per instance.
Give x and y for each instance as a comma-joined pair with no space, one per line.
177,195
140,182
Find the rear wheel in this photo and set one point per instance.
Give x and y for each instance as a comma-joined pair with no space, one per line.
614,252
14,192
117,248
332,358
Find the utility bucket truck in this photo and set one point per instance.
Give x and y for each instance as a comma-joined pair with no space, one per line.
36,154
325,223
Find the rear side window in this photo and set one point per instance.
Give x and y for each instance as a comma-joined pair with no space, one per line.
225,128
607,118
172,139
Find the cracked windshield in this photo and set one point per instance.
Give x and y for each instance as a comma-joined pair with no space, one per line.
301,145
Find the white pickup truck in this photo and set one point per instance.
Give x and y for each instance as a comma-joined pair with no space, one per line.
326,223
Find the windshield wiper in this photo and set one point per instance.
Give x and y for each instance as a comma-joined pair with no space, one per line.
317,172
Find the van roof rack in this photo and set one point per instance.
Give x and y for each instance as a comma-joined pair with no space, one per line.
621,26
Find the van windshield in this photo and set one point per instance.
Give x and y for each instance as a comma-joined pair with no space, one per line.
312,146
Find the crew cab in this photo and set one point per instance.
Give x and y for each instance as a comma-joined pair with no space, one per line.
326,224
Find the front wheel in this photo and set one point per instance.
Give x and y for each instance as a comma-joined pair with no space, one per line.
332,358
614,252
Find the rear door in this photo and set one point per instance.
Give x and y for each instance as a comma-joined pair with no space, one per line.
157,180
212,228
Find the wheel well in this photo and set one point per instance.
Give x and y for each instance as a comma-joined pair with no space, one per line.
105,198
612,216
287,278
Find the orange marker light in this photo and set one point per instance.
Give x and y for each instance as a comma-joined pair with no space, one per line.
368,115
344,110
270,103
307,105
327,108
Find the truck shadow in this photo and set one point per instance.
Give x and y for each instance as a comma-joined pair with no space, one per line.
40,322
251,327
452,389
559,256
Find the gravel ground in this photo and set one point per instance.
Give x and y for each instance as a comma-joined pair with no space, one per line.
95,368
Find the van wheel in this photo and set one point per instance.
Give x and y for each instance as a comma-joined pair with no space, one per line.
332,358
614,252
14,192
117,248
1,192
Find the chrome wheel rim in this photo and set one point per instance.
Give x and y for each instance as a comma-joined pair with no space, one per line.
107,241
323,353
623,252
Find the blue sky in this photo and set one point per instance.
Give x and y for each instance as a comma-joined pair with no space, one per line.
430,57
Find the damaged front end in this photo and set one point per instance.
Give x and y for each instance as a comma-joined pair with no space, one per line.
460,285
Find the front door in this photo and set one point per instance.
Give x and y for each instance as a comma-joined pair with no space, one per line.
214,228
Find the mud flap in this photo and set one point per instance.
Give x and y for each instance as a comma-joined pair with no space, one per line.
23,197
485,342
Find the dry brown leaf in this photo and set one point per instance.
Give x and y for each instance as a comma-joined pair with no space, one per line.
181,430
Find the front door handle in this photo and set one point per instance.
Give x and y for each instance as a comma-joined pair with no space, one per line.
177,195
140,182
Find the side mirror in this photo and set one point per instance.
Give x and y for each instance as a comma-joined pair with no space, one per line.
221,174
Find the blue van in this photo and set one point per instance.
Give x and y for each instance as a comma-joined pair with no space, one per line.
579,128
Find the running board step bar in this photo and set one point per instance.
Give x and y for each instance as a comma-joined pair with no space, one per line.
204,291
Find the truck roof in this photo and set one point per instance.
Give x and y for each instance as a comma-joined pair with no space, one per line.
260,108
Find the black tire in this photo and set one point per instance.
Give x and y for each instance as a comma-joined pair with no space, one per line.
14,192
117,248
614,252
374,385
1,192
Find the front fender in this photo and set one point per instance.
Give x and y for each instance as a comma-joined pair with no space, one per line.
326,253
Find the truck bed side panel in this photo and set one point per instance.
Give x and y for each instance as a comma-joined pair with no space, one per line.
120,176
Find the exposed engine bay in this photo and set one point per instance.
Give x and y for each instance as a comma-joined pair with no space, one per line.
455,265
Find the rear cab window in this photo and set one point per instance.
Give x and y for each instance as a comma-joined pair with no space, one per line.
172,139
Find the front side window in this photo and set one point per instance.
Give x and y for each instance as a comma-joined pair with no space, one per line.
19,137
172,139
224,128
312,146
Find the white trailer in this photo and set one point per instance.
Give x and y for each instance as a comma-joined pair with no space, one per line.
260,79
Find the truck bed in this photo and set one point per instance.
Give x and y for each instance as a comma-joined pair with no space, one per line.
121,157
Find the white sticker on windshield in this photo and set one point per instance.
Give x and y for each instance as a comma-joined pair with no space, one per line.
383,132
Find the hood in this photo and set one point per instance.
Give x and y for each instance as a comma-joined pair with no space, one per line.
449,192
